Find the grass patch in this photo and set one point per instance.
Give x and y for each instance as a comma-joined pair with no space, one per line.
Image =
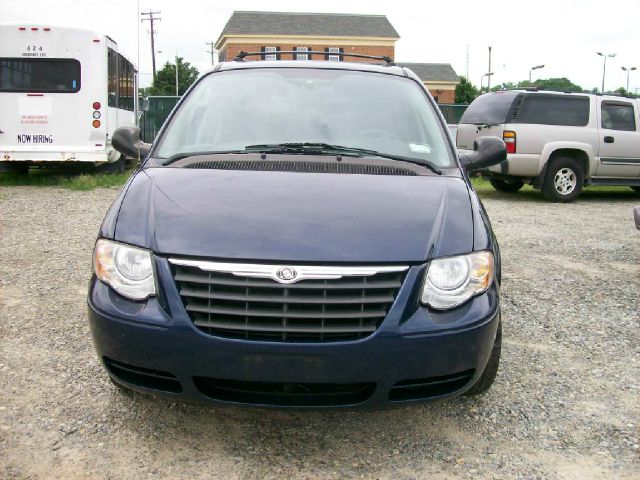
59,178
52,177
528,193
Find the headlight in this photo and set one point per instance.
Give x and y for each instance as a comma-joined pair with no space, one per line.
128,270
454,280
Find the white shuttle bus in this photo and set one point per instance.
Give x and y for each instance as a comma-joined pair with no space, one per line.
63,92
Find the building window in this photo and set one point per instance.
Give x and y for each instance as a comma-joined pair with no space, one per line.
268,55
333,50
302,56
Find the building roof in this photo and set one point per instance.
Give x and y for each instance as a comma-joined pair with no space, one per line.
309,24
432,72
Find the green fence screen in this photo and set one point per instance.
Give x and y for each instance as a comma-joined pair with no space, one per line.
152,119
452,113
160,108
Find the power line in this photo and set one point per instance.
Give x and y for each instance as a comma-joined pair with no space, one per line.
150,18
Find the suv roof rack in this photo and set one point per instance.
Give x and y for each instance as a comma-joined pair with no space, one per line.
242,55
584,92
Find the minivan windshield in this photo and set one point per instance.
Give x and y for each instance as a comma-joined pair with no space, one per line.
237,109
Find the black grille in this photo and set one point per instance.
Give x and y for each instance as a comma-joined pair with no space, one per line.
226,305
285,394
432,387
304,167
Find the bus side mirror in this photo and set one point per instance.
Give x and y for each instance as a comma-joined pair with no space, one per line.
487,152
126,140
145,104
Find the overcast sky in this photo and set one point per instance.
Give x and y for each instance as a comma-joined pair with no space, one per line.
562,34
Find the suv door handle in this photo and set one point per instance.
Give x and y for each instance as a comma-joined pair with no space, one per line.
609,139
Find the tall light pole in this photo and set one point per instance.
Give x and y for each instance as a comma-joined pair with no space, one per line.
604,67
537,67
628,70
488,75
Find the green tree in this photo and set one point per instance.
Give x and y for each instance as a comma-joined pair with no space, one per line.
507,86
165,81
465,91
561,84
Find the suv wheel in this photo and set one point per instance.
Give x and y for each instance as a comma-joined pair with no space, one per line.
564,180
491,370
504,186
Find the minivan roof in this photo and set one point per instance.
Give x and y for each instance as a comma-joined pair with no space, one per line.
319,64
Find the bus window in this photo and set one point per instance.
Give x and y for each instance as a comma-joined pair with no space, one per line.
112,68
39,75
125,83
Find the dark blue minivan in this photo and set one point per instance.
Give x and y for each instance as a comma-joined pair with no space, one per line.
300,234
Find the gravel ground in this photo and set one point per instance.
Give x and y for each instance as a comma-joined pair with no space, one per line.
565,403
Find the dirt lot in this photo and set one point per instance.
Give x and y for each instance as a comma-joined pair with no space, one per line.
566,402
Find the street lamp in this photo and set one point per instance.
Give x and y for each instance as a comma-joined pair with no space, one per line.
537,67
604,67
488,74
628,70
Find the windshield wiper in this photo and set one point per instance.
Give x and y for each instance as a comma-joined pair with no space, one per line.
329,149
180,156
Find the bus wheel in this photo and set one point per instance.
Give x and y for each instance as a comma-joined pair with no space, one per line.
114,167
20,168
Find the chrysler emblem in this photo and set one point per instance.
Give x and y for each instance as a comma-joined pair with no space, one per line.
286,274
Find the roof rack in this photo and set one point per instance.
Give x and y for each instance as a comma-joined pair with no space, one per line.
584,92
242,55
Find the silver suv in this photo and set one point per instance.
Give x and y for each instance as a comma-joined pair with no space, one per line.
558,142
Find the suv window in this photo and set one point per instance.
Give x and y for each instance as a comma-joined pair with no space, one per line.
541,109
618,116
489,109
232,110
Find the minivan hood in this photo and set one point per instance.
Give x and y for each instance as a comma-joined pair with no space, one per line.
296,217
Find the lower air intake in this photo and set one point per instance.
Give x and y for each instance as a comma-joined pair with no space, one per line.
432,387
285,394
144,377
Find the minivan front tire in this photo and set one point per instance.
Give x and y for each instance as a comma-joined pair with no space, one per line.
564,180
506,186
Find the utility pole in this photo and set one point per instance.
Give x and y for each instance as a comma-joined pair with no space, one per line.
177,94
489,76
212,51
467,69
150,18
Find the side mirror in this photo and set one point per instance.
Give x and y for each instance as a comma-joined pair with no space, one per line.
126,140
145,104
487,152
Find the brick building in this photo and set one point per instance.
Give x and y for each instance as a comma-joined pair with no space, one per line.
329,33
440,78
271,32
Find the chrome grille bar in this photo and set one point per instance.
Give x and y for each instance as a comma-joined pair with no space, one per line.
318,304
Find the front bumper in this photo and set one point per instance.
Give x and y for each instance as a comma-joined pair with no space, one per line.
415,355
